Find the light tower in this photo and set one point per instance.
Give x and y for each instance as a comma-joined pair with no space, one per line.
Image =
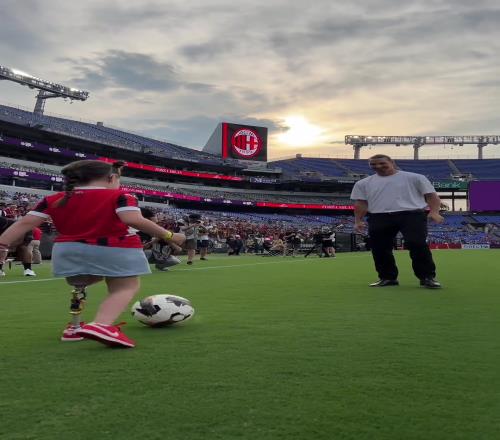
358,141
47,89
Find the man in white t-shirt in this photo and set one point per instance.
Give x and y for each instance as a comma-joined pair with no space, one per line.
395,201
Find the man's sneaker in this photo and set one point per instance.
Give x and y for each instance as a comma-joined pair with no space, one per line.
29,273
203,259
70,333
385,283
110,335
430,283
2,273
189,262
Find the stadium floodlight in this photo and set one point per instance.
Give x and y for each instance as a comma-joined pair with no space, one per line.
47,89
358,141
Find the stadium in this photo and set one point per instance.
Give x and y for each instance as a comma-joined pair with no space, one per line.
281,346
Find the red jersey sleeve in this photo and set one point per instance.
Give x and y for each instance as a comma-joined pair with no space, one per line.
41,210
126,202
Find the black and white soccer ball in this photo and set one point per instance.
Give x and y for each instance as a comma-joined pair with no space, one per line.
162,310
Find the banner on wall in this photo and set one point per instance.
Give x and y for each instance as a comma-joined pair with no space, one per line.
475,246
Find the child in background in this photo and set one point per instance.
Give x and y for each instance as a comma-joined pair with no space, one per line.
93,218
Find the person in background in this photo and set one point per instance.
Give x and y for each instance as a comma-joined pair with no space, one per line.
326,241
204,240
189,227
317,239
34,246
157,251
11,211
259,244
278,245
331,247
20,247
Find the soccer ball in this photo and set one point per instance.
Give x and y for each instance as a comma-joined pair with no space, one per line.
162,310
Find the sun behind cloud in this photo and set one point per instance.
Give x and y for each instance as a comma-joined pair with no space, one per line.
300,133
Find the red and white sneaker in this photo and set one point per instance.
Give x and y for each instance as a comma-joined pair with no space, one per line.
110,335
69,333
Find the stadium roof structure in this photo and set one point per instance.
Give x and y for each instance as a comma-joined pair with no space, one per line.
358,142
47,89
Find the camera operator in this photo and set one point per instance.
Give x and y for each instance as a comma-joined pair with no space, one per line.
235,244
292,243
317,243
327,236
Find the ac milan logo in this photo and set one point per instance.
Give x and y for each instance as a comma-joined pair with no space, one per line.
246,143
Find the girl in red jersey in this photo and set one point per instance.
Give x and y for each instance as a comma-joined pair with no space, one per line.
94,219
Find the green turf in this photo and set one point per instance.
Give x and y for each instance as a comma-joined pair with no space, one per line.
278,349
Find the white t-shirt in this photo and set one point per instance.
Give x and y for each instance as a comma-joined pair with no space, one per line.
402,191
190,231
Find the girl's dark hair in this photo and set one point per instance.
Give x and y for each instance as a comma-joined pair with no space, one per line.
82,172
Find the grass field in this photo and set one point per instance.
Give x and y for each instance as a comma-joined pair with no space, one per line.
278,349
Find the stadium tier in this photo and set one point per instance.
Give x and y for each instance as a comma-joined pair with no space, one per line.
479,169
437,169
33,171
487,219
326,167
102,134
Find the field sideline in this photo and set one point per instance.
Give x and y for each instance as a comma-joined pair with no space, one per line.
279,348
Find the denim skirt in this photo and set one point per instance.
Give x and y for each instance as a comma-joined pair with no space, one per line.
69,259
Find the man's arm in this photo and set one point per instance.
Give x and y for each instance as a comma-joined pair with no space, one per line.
434,203
360,210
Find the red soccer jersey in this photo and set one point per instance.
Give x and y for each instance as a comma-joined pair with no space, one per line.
90,216
37,234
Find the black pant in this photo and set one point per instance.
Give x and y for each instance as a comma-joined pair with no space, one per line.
383,228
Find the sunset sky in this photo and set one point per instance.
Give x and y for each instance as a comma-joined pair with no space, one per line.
311,71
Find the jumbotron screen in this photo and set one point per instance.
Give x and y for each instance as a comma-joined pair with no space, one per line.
244,142
484,195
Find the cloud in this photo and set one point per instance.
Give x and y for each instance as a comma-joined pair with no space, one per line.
17,32
116,15
207,51
175,69
129,70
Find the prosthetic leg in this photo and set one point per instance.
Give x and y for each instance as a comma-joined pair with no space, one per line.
77,303
78,299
